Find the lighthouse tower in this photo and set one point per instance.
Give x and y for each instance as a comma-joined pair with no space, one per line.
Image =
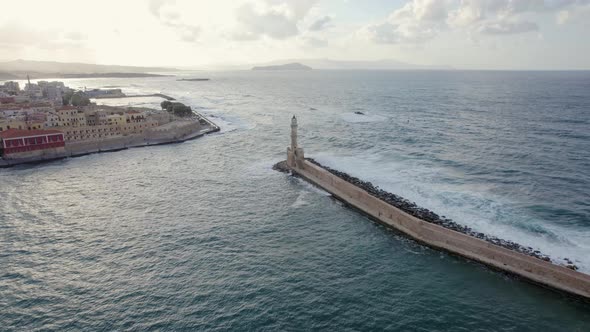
295,155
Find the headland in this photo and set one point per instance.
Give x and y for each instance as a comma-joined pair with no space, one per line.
49,121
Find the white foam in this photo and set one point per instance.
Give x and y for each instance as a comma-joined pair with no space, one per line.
311,188
300,201
468,205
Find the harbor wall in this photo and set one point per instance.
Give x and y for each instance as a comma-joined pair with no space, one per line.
528,267
167,134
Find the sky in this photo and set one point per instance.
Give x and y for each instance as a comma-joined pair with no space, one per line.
464,34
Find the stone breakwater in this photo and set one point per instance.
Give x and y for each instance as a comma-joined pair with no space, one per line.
427,215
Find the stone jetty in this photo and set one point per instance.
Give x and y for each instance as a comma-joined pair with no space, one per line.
433,230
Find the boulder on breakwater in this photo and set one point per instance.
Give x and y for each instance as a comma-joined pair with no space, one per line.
425,214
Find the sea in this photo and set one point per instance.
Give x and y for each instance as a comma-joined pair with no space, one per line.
205,236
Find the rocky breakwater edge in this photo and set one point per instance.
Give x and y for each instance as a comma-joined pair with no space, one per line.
429,216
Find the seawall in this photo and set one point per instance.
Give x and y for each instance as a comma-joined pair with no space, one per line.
175,134
528,267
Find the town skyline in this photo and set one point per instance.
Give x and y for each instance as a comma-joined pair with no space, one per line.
473,34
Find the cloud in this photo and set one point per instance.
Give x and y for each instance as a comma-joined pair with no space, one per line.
155,6
387,33
419,21
276,19
507,28
320,24
169,16
416,22
271,23
472,11
421,11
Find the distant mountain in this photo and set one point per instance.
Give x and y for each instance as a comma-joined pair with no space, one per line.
357,65
23,66
288,66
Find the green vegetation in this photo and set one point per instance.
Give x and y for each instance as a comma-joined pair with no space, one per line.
78,98
165,104
178,109
67,97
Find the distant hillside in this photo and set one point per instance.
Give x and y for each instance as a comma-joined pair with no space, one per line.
72,68
358,65
288,66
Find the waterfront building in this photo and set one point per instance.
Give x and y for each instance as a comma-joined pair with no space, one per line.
16,143
12,123
51,119
95,117
33,90
53,91
70,116
10,87
90,133
116,119
35,120
139,127
134,116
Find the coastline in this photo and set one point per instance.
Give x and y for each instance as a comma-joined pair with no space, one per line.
172,135
161,95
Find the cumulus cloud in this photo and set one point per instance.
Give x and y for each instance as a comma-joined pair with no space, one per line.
169,16
506,28
277,19
320,24
387,33
416,22
155,6
421,20
272,23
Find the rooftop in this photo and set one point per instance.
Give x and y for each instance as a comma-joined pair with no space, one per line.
64,108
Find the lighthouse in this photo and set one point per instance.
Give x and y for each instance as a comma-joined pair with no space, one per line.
295,155
293,133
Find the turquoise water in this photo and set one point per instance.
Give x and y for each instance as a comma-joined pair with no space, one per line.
205,236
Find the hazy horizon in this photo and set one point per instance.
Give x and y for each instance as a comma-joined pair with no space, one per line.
249,66
471,34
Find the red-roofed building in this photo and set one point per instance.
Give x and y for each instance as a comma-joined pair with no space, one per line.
16,143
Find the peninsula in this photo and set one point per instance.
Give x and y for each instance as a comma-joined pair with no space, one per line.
48,121
20,69
428,228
